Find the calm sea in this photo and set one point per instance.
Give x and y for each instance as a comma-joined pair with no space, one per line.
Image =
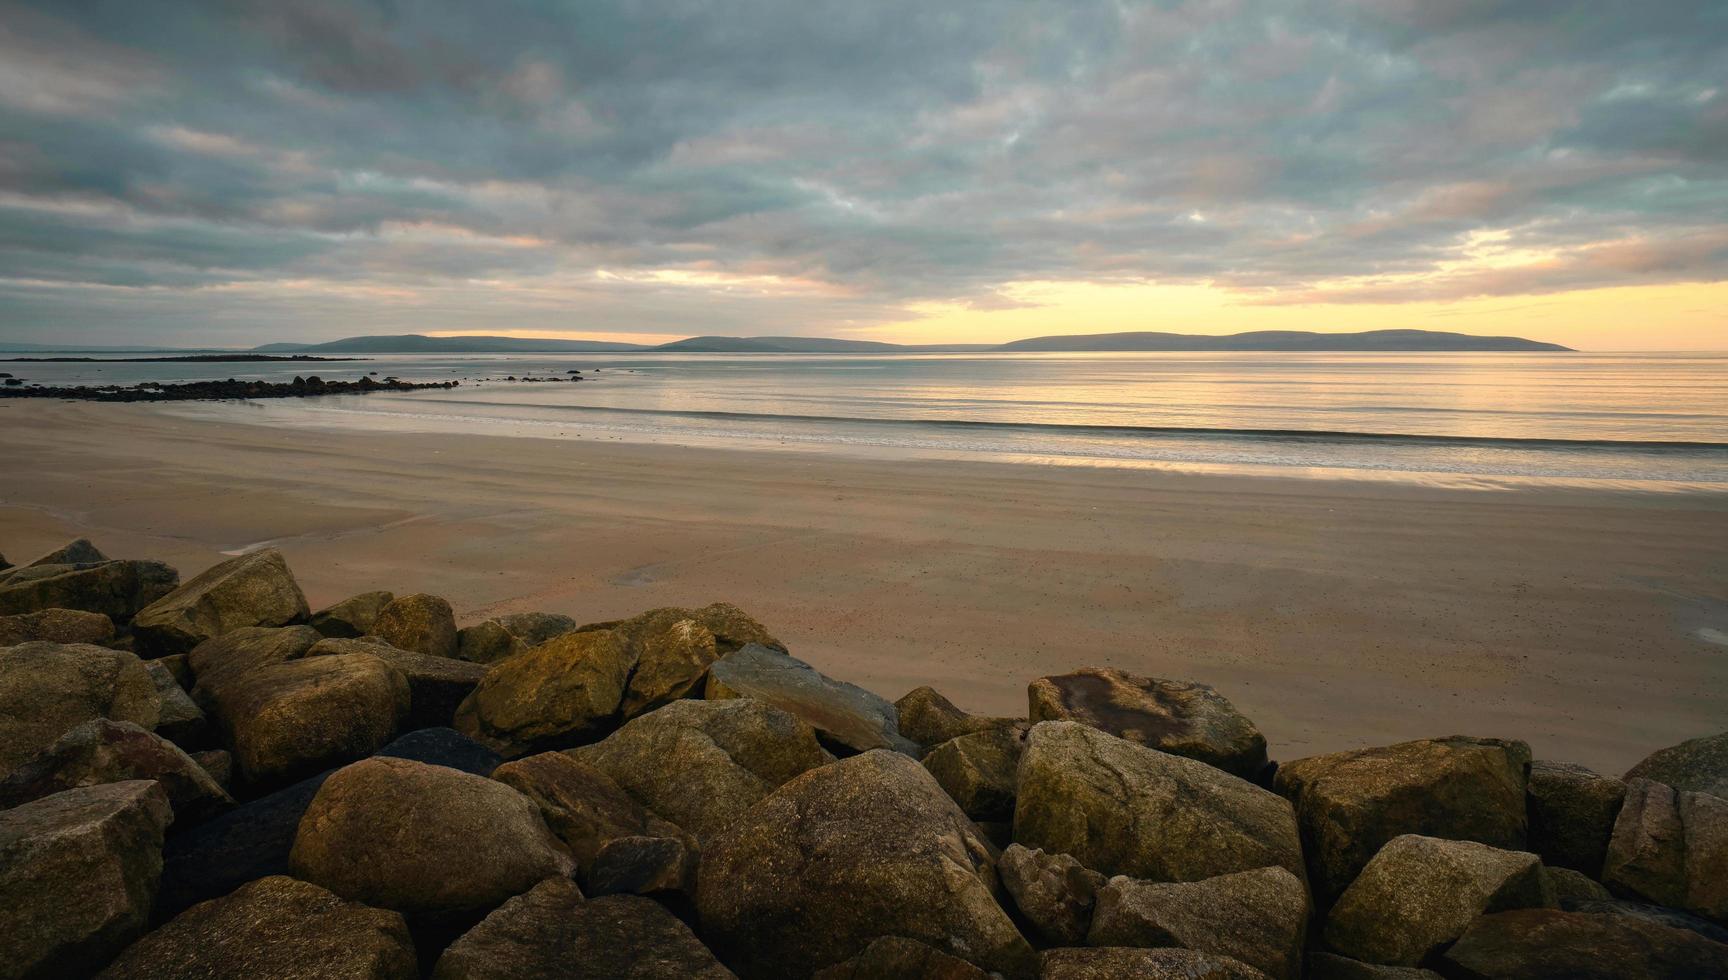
1653,420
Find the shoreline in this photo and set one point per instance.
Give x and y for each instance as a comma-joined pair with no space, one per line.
1336,613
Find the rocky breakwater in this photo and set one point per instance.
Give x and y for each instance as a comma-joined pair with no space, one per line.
151,391
208,778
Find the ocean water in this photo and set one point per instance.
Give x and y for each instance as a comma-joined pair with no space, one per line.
1650,421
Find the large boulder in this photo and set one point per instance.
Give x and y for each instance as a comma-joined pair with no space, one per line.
657,866
1258,917
238,652
275,928
78,551
1420,893
1571,811
929,719
437,685
702,764
117,589
180,719
561,692
252,841
487,642
1544,944
103,751
1699,765
417,838
673,653
289,719
1127,963
843,713
1054,893
581,804
56,626
352,617
535,628
865,847
1659,914
47,689
899,958
550,933
1178,717
1124,809
252,590
420,623
78,873
1350,804
978,771
1671,848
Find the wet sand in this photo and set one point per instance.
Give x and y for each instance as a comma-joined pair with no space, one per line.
1335,613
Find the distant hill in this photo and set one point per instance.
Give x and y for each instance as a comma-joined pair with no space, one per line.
780,345
413,343
1281,340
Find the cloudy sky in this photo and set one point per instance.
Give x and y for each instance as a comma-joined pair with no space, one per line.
253,170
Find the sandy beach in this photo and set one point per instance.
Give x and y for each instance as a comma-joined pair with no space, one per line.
1335,613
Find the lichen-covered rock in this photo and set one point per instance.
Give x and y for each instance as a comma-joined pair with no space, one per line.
104,751
1350,804
180,719
553,695
1124,809
673,652
408,836
56,626
535,628
252,841
437,685
1178,717
117,589
550,933
1123,963
352,617
581,804
978,771
865,847
702,764
1331,966
275,928
1571,887
419,623
1572,811
237,652
252,590
487,643
899,958
1544,944
1054,893
300,716
1420,893
1671,848
47,689
929,719
844,713
1699,765
644,866
78,551
78,873
1258,917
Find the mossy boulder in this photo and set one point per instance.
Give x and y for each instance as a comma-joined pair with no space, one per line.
1178,717
844,714
979,771
255,589
559,693
437,685
47,689
929,719
116,589
419,623
104,751
297,717
352,617
235,653
1699,765
580,803
1257,917
56,626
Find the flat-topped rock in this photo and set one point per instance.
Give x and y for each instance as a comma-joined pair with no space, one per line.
1544,944
1257,917
551,933
419,623
78,873
56,626
293,718
352,617
437,685
1699,765
1350,804
843,713
847,853
254,589
559,693
275,928
413,837
1572,812
702,764
103,751
1178,717
47,689
116,589
1420,893
1124,809
582,805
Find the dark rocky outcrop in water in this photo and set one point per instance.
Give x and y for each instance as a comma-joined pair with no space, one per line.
151,391
686,799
